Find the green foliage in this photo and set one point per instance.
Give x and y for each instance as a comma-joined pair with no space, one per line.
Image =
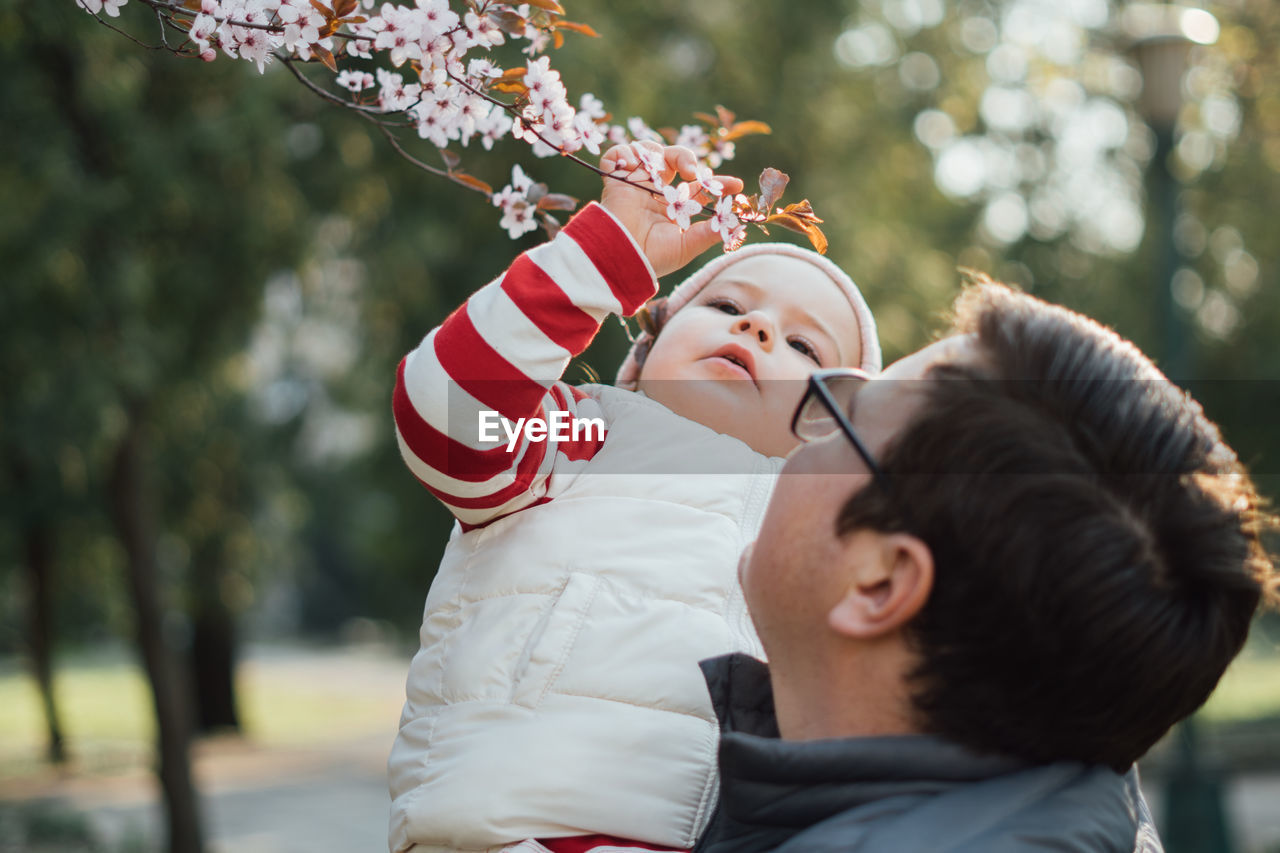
167,205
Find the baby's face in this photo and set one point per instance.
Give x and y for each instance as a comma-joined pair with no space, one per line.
737,357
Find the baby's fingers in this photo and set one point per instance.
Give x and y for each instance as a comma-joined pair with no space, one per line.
680,161
618,159
732,185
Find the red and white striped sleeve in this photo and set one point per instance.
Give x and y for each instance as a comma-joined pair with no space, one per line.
504,351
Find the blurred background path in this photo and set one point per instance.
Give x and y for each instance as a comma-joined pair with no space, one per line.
310,776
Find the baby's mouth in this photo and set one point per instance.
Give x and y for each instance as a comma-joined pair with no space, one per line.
740,359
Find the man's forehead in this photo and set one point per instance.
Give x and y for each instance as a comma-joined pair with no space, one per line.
956,349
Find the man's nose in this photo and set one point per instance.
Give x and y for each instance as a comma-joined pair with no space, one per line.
758,324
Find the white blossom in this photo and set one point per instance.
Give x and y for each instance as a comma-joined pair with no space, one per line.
726,223
694,137
707,180
111,7
355,81
679,205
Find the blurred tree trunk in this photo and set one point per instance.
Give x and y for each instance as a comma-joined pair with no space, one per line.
37,544
131,514
213,645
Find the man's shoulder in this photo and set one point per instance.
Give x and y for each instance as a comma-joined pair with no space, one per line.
1066,807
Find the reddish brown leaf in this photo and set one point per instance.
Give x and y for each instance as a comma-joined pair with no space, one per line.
326,57
669,134
585,29
746,209
557,201
746,128
707,118
558,39
550,224
818,239
803,226
802,210
772,184
509,22
725,116
450,159
473,182
511,81
549,5
536,192
322,9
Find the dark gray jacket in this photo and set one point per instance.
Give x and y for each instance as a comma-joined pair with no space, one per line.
904,794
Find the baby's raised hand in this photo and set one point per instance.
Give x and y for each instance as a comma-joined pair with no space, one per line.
645,215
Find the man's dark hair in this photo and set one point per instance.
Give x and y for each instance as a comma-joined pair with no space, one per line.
1096,543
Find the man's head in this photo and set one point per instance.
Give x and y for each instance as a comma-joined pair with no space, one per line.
1061,561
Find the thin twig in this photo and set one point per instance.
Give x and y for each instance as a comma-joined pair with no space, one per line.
289,62
708,209
130,37
511,110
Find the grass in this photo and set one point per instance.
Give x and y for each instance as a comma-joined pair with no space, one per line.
314,699
1250,688
105,706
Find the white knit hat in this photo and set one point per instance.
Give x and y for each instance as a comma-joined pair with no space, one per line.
629,373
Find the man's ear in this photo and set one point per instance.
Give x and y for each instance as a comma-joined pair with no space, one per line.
890,578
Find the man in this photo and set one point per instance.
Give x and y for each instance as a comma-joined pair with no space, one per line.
994,577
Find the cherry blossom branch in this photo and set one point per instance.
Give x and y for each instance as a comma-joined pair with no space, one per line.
447,100
98,17
290,61
175,9
514,112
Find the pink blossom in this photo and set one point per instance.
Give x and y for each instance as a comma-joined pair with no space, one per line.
394,95
639,130
94,7
519,180
708,181
726,223
679,205
437,18
202,31
591,106
720,151
588,132
495,126
484,32
355,81
693,136
519,216
653,163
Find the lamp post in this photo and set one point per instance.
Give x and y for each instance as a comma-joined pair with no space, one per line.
1161,37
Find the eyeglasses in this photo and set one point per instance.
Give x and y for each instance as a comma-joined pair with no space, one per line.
823,410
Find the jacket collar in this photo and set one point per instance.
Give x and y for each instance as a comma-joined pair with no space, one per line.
773,789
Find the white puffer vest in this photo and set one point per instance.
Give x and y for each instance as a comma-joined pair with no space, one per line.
557,690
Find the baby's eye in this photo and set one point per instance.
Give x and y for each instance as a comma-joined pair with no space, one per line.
728,306
805,348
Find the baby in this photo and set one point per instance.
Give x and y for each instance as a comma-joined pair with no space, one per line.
556,694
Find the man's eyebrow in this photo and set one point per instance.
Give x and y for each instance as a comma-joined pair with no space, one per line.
813,319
